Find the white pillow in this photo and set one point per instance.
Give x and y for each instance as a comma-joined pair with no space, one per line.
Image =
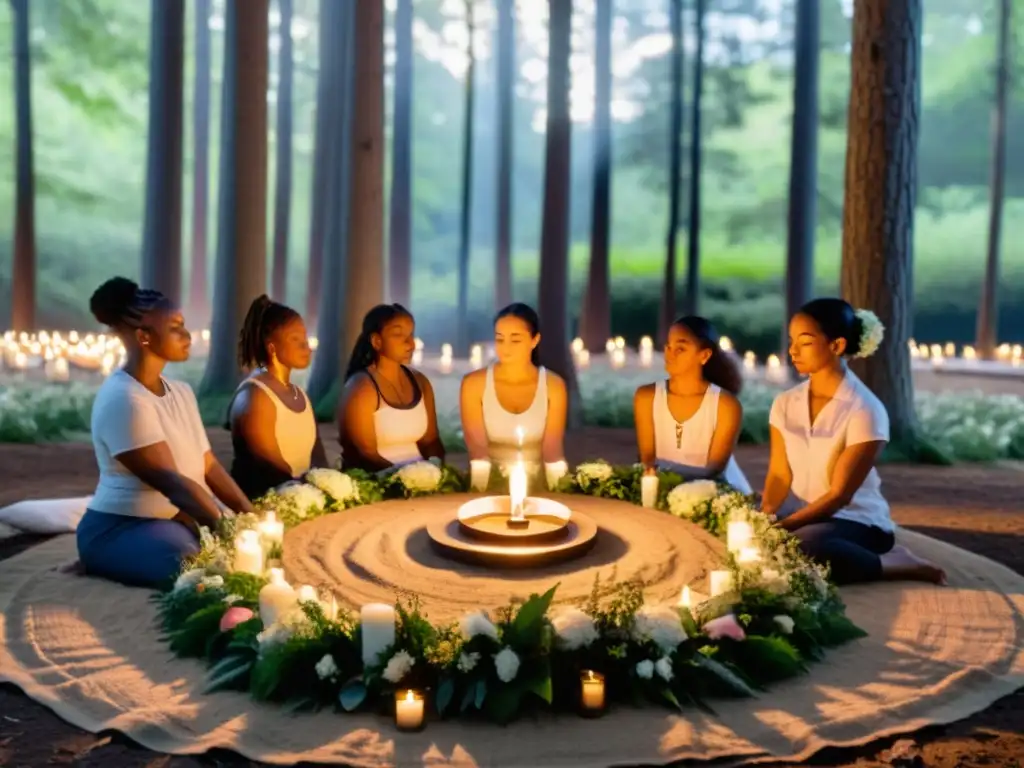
45,516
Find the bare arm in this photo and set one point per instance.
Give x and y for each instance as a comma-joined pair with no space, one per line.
780,476
154,465
553,444
253,417
430,444
850,471
356,428
727,433
643,419
471,408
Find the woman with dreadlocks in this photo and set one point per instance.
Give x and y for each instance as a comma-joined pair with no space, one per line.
159,480
273,428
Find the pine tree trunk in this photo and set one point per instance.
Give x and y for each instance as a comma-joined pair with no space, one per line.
803,165
466,208
283,151
881,191
596,325
667,311
199,302
400,238
506,63
691,300
161,239
23,267
242,205
553,288
988,311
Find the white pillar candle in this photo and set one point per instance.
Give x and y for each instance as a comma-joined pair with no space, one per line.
685,601
739,534
271,529
649,491
554,471
721,582
517,485
378,630
749,555
248,553
408,710
479,474
307,594
276,598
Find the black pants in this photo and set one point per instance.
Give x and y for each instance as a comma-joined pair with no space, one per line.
851,550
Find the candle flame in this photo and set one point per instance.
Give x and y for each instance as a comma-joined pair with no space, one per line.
517,490
409,696
520,435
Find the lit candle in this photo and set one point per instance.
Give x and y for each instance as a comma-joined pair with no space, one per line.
721,582
582,359
378,630
333,610
276,598
554,471
685,600
620,342
649,491
609,346
577,345
749,361
950,350
57,369
970,353
618,358
446,357
479,474
749,555
591,692
271,529
307,594
739,535
725,344
517,482
408,710
248,553
476,356
520,435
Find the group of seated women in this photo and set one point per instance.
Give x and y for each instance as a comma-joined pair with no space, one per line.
159,481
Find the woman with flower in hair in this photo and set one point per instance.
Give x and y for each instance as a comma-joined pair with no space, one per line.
159,480
826,436
273,428
386,417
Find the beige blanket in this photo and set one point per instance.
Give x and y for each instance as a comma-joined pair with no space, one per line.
90,650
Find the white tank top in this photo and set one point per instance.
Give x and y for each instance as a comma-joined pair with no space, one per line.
295,432
501,425
685,446
399,430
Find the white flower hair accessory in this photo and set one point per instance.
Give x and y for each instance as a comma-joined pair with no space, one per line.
871,334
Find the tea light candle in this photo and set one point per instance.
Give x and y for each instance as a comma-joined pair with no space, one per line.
378,630
408,710
721,582
271,529
479,474
739,534
248,553
276,598
591,692
649,491
554,471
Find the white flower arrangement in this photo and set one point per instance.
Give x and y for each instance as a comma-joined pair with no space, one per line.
645,669
784,623
327,668
732,502
420,476
684,499
231,599
663,667
506,664
593,472
871,334
661,625
574,629
477,623
398,666
212,582
189,579
303,497
335,484
468,661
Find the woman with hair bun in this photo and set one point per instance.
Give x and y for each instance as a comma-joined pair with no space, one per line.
826,436
273,427
386,416
159,480
690,422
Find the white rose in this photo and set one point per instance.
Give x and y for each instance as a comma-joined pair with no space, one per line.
477,623
645,669
420,476
398,667
663,667
327,668
303,496
686,497
232,599
725,503
335,484
593,472
574,629
468,661
784,623
506,664
212,582
660,624
273,636
189,579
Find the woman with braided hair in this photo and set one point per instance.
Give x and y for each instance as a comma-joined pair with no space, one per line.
159,480
273,428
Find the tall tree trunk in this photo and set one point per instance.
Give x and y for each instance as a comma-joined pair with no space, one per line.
506,65
335,139
23,268
553,287
199,302
596,322
667,311
881,192
803,164
242,207
283,150
462,315
988,311
400,235
161,239
692,299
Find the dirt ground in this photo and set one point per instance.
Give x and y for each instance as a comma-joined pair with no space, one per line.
977,508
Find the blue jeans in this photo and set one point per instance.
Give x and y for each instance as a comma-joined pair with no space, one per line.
137,551
850,549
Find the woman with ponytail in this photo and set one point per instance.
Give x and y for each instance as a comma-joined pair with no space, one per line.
273,428
515,408
690,422
826,436
386,416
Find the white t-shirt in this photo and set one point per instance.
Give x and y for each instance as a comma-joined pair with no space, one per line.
854,415
127,416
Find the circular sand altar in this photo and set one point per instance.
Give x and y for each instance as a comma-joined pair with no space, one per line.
369,554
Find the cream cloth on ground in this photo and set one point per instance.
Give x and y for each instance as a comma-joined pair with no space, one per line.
91,651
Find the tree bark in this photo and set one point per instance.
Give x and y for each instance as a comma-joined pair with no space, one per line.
283,151
988,311
803,165
199,302
23,267
553,288
596,324
462,314
691,301
506,63
242,226
161,239
400,236
667,311
881,191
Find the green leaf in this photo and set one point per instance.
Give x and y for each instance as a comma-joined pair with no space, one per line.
231,673
528,621
836,629
481,693
468,698
352,695
445,692
503,703
300,704
666,693
723,674
542,687
768,659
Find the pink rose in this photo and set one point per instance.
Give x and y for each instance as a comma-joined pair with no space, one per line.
724,626
233,617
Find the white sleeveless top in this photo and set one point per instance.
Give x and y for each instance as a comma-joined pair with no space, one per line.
398,430
689,451
294,431
503,443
